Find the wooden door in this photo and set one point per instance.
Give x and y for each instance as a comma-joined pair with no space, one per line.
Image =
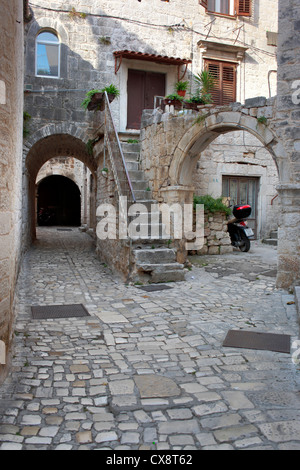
243,190
142,87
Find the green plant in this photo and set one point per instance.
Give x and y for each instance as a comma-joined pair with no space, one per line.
111,90
173,97
201,118
262,120
211,204
26,119
104,40
132,141
90,146
76,14
181,86
105,169
205,83
88,98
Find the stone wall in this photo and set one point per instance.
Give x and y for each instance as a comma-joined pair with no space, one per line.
241,154
162,28
287,123
11,124
216,237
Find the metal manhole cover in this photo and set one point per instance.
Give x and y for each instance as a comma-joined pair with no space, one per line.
58,311
154,287
256,340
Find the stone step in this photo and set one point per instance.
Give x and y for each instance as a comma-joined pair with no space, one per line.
142,195
163,272
131,156
140,185
132,165
274,234
270,241
155,256
135,174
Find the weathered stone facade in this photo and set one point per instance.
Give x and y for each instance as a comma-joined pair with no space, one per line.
287,124
216,237
11,123
90,34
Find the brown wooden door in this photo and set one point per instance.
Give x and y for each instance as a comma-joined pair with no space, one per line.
142,87
243,190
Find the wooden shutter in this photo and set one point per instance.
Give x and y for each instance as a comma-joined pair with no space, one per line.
224,73
229,84
243,7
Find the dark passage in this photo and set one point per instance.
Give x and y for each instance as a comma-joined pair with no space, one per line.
58,202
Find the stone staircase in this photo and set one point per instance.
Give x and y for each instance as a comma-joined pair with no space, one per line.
153,260
273,238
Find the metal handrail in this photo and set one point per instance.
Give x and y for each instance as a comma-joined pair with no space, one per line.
116,155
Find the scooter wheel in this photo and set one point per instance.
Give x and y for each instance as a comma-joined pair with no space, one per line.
245,246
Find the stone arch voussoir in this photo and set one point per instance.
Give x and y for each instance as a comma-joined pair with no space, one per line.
210,126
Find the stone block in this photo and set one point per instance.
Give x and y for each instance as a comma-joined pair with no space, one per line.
256,102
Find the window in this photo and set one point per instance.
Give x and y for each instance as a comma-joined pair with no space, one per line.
224,74
228,7
47,55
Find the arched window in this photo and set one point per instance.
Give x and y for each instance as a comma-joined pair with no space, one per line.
47,55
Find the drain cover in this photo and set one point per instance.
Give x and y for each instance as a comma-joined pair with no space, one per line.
58,311
256,340
154,287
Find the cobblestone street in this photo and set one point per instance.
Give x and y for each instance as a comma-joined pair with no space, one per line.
147,370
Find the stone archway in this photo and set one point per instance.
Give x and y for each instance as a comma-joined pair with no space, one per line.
58,201
171,146
41,147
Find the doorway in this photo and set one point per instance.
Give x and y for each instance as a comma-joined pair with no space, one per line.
142,87
243,190
58,202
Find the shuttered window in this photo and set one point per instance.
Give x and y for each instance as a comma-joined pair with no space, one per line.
224,73
227,7
243,7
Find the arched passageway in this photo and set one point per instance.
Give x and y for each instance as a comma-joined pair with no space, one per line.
171,146
44,146
58,202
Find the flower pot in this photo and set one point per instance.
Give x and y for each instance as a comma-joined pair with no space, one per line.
176,103
181,92
190,105
97,102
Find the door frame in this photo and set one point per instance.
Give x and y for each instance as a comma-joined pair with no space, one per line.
170,71
257,180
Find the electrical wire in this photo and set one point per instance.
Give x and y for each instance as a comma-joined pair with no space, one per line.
178,26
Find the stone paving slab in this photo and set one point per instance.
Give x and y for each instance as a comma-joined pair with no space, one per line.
147,370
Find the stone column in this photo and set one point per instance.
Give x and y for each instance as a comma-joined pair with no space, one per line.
287,125
288,236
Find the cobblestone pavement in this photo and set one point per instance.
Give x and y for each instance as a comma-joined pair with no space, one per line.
147,370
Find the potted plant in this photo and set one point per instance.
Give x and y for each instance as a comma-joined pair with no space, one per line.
205,82
175,100
181,88
94,99
104,172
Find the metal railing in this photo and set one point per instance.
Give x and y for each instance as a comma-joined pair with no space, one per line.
116,155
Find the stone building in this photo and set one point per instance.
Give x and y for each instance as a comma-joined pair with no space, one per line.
11,124
144,48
